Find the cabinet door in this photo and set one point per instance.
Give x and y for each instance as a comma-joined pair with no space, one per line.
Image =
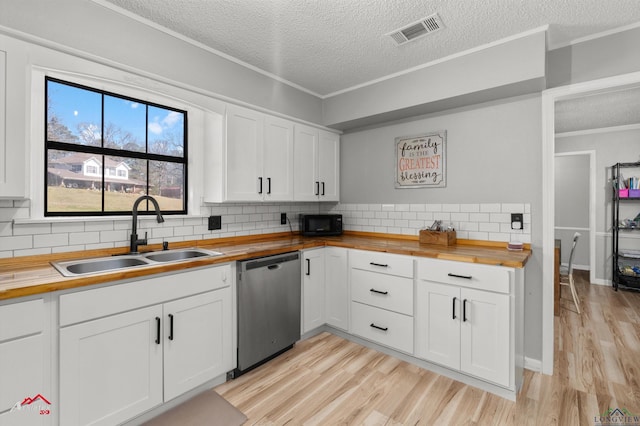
336,287
23,358
485,335
197,341
278,160
438,323
329,166
245,133
306,185
312,289
111,368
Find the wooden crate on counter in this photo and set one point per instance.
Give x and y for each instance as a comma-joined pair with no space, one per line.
437,238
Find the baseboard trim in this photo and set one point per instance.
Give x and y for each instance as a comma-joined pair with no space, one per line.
533,364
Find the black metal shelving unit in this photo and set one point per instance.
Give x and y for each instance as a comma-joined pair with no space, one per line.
622,277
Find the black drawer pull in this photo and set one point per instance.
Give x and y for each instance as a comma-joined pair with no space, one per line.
373,290
378,327
260,182
317,188
464,310
322,188
466,277
308,266
170,326
269,185
453,313
379,264
157,330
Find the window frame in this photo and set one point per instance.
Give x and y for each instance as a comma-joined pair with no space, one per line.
106,152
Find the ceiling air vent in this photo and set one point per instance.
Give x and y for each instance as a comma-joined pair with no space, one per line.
417,29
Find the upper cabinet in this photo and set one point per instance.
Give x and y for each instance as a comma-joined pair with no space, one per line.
316,164
251,156
12,137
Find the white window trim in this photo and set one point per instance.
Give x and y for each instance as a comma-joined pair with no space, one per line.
161,94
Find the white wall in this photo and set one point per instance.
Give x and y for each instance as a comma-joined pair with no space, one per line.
572,206
493,156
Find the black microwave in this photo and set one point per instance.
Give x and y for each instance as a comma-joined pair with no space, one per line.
320,224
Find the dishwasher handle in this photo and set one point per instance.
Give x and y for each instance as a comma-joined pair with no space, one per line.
274,266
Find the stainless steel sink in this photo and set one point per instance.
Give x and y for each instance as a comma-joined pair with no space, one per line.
178,255
72,268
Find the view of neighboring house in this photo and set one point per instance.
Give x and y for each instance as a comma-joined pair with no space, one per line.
81,170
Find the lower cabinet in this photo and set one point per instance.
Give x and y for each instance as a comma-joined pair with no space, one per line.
313,289
23,356
382,298
336,287
464,328
325,288
116,367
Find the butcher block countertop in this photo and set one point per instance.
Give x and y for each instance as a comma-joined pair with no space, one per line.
24,276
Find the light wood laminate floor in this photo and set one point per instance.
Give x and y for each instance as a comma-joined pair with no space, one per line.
327,380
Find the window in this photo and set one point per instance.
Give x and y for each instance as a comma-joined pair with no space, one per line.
104,150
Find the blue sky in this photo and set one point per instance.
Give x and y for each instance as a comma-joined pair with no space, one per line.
73,106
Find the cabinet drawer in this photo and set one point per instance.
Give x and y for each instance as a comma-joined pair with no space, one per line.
392,264
394,330
21,319
482,277
381,290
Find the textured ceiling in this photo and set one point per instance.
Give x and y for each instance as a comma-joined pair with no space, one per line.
609,109
326,46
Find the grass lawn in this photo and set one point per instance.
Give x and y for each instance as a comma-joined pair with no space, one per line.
83,200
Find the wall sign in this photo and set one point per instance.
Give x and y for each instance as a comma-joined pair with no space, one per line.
421,161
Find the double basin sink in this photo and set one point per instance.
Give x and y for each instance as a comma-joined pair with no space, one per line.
74,268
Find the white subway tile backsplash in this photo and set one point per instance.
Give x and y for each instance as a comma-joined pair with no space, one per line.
490,221
491,208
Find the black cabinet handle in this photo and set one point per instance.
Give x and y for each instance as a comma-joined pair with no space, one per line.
464,310
308,267
373,290
260,183
322,188
453,309
170,326
466,277
378,327
157,330
268,185
317,188
379,264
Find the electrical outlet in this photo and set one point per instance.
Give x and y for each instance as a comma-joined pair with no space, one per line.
516,221
283,218
215,222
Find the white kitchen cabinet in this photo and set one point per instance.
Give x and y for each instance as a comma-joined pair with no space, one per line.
126,348
245,139
12,129
313,289
464,321
278,160
197,339
382,298
336,287
111,368
23,371
316,164
257,158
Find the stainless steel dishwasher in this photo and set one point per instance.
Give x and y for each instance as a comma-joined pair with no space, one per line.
269,292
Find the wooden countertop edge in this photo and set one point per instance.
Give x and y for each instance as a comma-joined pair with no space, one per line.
376,242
